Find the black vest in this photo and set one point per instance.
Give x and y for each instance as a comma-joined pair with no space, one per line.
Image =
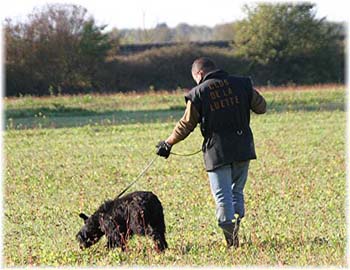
223,103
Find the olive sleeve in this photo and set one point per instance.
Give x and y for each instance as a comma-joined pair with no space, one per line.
258,103
186,124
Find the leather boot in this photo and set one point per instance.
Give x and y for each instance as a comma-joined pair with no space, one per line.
235,232
228,230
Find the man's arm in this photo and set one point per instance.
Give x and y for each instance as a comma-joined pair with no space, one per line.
186,124
258,103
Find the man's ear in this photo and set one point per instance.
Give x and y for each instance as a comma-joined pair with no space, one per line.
83,216
201,75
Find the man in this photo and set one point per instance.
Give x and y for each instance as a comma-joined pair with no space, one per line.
221,104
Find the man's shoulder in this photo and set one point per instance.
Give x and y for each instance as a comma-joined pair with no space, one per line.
240,78
192,94
244,81
196,89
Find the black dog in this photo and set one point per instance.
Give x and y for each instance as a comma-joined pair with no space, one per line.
138,213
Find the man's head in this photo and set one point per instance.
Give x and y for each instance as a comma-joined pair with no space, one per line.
200,67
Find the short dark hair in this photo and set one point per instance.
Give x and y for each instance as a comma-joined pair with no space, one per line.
203,63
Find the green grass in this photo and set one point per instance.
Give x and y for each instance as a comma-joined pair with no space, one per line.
295,194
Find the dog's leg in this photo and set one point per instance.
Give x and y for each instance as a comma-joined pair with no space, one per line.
123,241
116,239
160,243
113,232
111,242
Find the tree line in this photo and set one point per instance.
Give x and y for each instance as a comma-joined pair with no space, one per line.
60,49
183,32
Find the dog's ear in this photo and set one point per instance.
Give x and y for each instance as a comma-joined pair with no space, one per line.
83,216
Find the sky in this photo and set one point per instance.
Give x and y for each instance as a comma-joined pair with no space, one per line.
148,13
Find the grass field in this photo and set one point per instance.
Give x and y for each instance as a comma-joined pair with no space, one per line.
65,155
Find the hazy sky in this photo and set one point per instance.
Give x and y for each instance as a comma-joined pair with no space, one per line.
147,13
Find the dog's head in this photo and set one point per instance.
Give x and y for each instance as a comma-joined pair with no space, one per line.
90,233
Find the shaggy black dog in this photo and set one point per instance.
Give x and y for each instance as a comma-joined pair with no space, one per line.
138,213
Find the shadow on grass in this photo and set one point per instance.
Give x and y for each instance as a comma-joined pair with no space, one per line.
52,111
61,116
28,119
297,106
61,110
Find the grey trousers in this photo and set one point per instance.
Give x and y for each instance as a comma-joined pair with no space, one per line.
227,184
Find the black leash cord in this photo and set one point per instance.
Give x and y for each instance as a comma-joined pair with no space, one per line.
186,155
149,165
138,177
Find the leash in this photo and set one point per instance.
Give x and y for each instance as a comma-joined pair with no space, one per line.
148,166
186,155
138,177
